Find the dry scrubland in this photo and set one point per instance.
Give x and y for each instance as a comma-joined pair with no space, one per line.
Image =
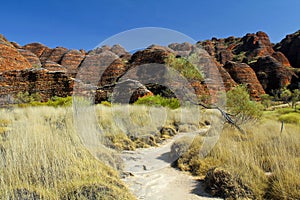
264,164
42,156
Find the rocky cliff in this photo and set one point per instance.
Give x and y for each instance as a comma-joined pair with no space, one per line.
251,60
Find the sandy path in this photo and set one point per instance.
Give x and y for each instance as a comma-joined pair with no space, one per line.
153,177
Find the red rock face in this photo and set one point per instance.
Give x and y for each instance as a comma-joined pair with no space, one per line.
54,67
222,50
10,58
47,84
257,45
71,60
243,49
295,82
244,74
290,47
31,57
93,67
280,57
16,45
153,54
228,82
114,71
57,54
128,91
36,48
224,66
272,73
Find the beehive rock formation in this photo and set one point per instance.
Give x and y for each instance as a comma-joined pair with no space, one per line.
244,74
251,60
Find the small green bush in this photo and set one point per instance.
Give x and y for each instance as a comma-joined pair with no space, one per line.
240,105
292,118
282,111
184,67
25,97
59,101
158,100
239,57
106,103
54,102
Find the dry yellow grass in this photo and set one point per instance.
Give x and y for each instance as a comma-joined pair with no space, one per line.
132,126
41,157
264,159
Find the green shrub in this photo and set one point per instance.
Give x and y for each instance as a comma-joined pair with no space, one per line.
54,102
292,118
106,103
285,95
25,97
158,100
59,101
295,98
266,100
239,57
184,67
240,105
282,111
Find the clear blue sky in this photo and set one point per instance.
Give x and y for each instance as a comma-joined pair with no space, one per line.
86,23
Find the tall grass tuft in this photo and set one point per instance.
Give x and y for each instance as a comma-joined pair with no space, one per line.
41,157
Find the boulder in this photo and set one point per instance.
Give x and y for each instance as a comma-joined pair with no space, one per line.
244,74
